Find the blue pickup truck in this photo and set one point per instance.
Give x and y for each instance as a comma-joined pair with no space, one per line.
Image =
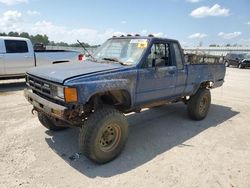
124,75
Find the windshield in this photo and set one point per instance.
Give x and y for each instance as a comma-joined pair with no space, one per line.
247,56
241,56
124,51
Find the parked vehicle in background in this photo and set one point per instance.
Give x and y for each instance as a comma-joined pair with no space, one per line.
17,56
245,62
39,46
234,59
124,75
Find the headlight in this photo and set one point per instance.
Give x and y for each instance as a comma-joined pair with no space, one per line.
68,94
60,92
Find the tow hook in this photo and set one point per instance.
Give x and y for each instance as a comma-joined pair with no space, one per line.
33,110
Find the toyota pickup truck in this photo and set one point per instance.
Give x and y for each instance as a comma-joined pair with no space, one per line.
124,75
17,56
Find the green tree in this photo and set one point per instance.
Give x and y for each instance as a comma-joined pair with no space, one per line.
13,34
52,43
3,34
40,39
45,39
25,35
62,44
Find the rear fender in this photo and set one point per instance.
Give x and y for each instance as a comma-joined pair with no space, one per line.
204,84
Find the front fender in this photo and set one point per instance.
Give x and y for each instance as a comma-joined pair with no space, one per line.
88,89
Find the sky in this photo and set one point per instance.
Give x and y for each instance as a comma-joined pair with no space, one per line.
192,22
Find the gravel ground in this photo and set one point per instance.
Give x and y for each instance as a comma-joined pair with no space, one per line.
165,148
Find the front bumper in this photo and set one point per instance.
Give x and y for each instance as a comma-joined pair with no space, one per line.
43,105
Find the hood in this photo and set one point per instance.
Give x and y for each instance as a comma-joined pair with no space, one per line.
60,72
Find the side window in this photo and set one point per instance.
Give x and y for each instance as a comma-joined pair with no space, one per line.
16,46
159,55
178,57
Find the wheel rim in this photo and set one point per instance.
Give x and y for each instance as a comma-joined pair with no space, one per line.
203,104
110,137
226,64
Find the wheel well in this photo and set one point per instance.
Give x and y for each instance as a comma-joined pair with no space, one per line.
207,84
119,98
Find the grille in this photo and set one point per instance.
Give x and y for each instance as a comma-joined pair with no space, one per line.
40,86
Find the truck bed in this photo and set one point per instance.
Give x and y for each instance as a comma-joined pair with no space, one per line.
198,73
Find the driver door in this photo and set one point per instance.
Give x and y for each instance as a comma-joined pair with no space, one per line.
157,77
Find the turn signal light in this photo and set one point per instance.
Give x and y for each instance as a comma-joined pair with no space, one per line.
70,94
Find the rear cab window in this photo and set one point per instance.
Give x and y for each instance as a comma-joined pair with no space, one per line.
16,46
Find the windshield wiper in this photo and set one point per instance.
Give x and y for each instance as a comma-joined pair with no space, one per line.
115,60
92,57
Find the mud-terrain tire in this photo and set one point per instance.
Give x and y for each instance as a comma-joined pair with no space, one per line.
103,135
49,122
198,105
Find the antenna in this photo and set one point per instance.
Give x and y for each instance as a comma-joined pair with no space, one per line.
86,50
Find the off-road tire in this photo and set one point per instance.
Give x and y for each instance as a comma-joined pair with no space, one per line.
240,66
198,105
49,122
93,130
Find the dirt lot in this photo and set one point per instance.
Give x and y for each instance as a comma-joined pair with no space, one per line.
165,148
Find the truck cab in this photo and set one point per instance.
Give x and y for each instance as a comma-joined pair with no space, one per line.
124,75
16,55
162,69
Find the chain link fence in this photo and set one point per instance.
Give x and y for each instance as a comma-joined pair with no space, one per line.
218,51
